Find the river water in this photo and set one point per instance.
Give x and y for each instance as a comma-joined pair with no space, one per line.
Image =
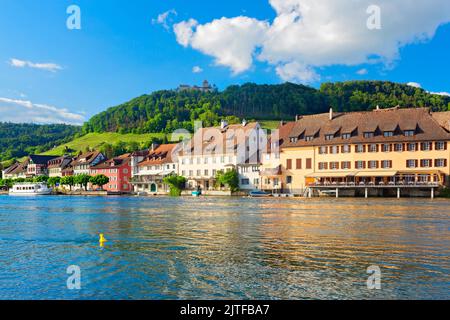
223,248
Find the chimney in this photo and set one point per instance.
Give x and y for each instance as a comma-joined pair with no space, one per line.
378,107
331,113
297,117
244,122
223,124
282,123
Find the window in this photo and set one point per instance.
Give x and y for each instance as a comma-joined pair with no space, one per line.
386,147
309,163
425,146
441,145
256,181
411,163
346,148
289,179
426,163
222,159
409,133
411,147
309,138
334,149
293,139
276,182
386,164
214,172
299,164
360,164
368,135
191,173
125,171
323,150
373,148
334,165
206,172
398,147
373,164
359,148
323,166
183,173
346,136
205,161
329,137
289,164
245,182
388,134
199,173
439,163
191,161
345,165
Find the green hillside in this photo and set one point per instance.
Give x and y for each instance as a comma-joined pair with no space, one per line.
98,140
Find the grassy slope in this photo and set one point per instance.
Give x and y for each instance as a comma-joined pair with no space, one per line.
95,140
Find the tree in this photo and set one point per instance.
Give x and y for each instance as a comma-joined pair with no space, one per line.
40,179
82,180
99,180
53,181
68,181
229,178
176,184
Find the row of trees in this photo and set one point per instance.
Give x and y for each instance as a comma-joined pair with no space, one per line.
82,180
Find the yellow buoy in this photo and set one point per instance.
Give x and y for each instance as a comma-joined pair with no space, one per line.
101,239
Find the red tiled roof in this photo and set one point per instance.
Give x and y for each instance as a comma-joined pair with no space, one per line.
162,154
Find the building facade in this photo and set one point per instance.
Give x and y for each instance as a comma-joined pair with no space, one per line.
376,148
83,163
118,170
57,165
155,166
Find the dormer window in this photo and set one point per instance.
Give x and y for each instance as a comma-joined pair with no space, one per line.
309,138
293,139
329,137
346,136
369,135
388,133
409,133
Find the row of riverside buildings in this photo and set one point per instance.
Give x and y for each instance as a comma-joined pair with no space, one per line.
376,150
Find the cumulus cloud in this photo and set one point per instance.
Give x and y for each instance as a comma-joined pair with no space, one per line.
48,66
230,41
362,72
414,84
197,69
18,111
165,18
309,34
297,72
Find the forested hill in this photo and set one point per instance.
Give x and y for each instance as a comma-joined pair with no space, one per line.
164,111
18,140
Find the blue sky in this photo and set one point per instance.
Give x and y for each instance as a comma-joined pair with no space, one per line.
122,51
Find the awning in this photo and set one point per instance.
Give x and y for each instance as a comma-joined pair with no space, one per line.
331,175
405,173
376,174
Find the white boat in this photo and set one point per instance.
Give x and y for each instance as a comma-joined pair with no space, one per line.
30,189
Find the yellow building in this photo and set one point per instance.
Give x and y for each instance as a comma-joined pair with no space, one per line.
389,148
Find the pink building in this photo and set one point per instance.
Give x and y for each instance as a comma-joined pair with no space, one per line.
118,170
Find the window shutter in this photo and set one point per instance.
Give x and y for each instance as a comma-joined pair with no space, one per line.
356,164
364,148
416,163
325,165
342,149
417,146
378,164
445,145
390,163
391,147
378,148
431,146
407,163
337,165
445,162
299,164
364,164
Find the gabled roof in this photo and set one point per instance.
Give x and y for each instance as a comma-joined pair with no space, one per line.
395,119
85,158
38,159
443,118
116,162
162,154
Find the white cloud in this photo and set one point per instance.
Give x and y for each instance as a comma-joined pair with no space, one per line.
165,18
48,66
15,110
441,93
230,41
197,69
362,72
414,84
316,33
296,72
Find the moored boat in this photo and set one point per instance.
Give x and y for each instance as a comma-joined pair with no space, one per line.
30,189
259,194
